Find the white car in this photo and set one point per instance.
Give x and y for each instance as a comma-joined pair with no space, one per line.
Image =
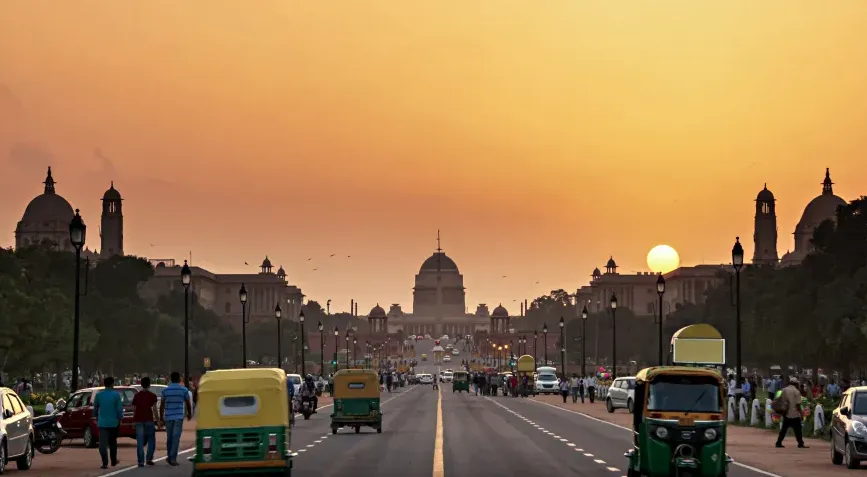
547,383
296,381
621,394
455,352
445,337
425,379
447,376
447,358
427,337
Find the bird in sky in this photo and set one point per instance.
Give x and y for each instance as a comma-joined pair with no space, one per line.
537,283
333,254
349,256
315,269
311,258
504,276
245,263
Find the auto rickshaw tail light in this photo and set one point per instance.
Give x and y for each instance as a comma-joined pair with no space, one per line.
656,415
272,443
206,445
715,417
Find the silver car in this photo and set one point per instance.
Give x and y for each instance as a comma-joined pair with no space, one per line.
156,389
621,394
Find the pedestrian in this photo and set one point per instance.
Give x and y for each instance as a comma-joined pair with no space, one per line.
108,411
789,406
581,389
173,407
564,388
145,403
574,383
591,388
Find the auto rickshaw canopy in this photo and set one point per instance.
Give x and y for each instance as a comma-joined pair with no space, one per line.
356,383
233,398
526,364
647,375
460,376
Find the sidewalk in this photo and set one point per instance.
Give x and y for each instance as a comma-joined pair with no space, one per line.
746,445
74,460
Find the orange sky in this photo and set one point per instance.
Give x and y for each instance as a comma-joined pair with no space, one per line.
539,136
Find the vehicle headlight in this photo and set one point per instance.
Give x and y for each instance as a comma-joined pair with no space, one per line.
661,432
58,425
710,434
859,429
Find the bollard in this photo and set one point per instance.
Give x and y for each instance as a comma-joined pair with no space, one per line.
818,420
757,411
742,409
731,413
769,414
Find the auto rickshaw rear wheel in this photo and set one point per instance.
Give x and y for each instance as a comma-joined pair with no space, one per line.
379,430
357,429
334,430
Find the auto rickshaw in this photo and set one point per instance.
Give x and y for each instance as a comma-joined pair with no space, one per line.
243,423
526,367
461,381
356,400
679,415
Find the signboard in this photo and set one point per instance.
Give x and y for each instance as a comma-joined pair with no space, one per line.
699,351
207,363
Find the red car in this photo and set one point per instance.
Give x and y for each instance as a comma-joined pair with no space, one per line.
78,421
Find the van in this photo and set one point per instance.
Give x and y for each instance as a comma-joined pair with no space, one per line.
546,381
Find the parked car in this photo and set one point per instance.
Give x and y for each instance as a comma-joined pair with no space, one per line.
621,394
16,432
848,429
78,421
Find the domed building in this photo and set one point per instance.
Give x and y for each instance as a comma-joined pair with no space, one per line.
822,208
46,219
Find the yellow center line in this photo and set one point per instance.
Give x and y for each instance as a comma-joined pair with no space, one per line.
438,469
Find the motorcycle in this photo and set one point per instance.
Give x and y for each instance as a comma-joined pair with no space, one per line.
49,433
306,407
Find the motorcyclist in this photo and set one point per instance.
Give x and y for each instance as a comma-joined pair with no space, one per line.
308,391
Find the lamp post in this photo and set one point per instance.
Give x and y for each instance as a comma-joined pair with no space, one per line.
563,347
535,347
354,350
660,290
77,235
321,349
499,356
545,341
278,314
242,294
738,263
510,348
367,354
346,349
583,341
614,336
301,320
186,277
336,347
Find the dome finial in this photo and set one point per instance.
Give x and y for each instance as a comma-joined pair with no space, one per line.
49,182
827,185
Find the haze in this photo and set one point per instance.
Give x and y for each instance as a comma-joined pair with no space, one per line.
540,137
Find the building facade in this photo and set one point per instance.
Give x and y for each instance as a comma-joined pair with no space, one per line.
820,209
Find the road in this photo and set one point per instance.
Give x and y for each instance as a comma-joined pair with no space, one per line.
480,436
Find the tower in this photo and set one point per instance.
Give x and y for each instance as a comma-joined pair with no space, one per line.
765,232
111,230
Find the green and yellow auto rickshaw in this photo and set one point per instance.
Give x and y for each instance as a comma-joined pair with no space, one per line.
461,381
243,423
356,400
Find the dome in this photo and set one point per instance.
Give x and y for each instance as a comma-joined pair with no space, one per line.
280,272
111,193
377,312
611,263
439,261
48,207
765,195
266,263
821,208
596,272
500,312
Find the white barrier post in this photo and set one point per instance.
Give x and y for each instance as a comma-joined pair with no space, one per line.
769,413
818,420
757,411
742,409
731,413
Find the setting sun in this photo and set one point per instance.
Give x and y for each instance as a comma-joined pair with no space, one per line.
663,259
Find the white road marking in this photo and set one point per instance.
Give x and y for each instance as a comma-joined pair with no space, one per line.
563,440
587,454
570,444
613,469
599,461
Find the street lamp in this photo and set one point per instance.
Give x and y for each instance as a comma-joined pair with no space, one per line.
321,349
367,353
242,294
583,341
77,235
738,263
563,347
355,351
301,320
660,290
278,314
613,336
186,277
545,341
346,348
535,347
499,356
336,346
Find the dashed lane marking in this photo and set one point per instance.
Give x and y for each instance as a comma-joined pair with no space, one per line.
613,469
599,461
438,461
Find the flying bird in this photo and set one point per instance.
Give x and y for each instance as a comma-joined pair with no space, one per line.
315,269
309,259
333,254
504,276
245,263
537,283
349,256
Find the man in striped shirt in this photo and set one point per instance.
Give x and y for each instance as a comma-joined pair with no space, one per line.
174,407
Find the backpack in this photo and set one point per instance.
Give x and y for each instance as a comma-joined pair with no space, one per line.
780,405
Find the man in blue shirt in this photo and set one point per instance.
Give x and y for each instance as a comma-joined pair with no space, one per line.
174,406
108,411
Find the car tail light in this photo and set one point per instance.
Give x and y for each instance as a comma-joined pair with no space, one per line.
272,443
206,445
